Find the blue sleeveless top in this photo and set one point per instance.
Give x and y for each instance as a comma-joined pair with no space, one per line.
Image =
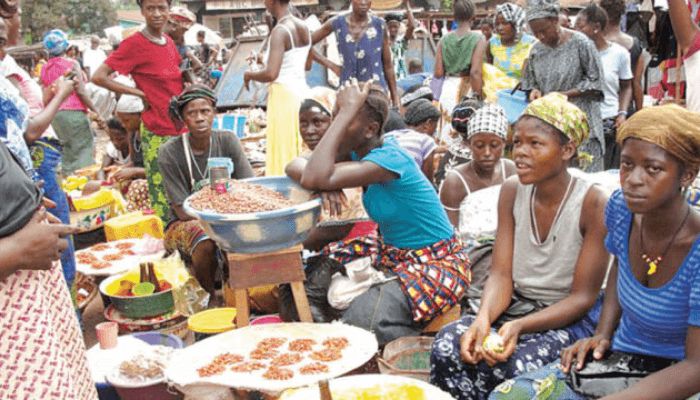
654,320
361,59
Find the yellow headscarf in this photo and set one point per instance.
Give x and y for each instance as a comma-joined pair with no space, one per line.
556,110
671,127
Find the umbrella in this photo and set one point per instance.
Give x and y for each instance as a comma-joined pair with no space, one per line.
211,37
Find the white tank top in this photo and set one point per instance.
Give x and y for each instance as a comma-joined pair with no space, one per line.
293,70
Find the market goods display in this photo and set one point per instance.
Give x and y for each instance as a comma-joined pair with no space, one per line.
145,367
273,358
115,257
241,198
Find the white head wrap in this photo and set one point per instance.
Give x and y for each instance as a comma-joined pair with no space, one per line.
129,104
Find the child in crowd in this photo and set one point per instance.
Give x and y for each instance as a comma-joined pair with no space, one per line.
117,150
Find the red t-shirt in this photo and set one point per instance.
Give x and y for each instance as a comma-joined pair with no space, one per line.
156,71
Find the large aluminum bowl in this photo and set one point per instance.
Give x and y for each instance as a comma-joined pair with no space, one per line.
264,231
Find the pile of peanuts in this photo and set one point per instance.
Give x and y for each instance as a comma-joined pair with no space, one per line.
240,198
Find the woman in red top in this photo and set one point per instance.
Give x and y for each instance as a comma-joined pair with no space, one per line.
152,60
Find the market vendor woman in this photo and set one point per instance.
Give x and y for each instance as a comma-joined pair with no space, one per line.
417,242
183,162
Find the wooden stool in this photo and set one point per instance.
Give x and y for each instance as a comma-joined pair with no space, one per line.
259,269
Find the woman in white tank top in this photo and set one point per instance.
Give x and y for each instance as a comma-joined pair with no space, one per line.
470,191
288,50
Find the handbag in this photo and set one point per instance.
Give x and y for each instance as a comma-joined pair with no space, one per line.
615,373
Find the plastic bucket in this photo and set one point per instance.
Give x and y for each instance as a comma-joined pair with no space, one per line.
513,103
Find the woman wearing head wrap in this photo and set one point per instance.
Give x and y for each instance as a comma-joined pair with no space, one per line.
470,191
71,123
548,265
648,334
183,163
566,61
509,49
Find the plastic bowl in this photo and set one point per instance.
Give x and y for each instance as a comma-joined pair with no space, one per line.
264,231
154,390
513,103
267,319
139,306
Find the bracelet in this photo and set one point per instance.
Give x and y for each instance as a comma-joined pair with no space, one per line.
622,112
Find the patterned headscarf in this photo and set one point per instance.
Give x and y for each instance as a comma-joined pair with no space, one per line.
178,103
558,112
489,119
321,97
671,127
55,42
537,9
422,92
513,14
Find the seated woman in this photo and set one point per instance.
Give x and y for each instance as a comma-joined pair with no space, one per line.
129,109
548,261
470,191
416,138
417,242
336,223
650,323
183,163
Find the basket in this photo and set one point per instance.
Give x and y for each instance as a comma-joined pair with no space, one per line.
134,225
88,284
407,356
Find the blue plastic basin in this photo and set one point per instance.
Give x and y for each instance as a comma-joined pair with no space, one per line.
514,104
265,231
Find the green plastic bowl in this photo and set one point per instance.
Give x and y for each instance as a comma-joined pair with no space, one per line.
139,306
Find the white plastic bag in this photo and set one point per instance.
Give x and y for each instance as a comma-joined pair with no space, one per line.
361,276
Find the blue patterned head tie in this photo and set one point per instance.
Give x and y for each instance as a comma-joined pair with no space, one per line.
55,42
537,9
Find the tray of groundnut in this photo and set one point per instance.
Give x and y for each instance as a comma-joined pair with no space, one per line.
274,357
109,258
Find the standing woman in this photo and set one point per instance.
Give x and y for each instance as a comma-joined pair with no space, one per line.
616,9
459,59
509,49
399,44
153,61
364,47
289,45
688,36
566,61
71,123
617,79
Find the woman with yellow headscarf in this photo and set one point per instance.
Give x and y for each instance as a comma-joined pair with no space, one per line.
548,261
648,335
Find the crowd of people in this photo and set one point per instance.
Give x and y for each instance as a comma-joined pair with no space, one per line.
565,289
